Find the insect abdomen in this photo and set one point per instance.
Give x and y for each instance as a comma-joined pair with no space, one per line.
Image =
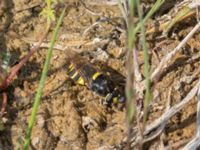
96,81
75,75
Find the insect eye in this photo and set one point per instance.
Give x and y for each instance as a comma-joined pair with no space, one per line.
121,99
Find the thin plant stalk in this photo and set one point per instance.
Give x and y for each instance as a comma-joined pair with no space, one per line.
130,94
42,82
155,7
141,23
148,93
131,109
123,11
48,12
132,29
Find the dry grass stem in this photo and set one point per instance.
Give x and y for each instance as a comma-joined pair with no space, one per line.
138,75
173,110
194,143
71,45
158,125
103,2
135,140
94,24
89,10
165,61
177,145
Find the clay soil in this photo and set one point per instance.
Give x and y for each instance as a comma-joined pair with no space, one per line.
70,116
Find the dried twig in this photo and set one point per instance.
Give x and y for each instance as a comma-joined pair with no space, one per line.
165,61
70,46
88,9
182,11
162,126
103,2
176,145
159,124
4,103
194,143
173,110
16,68
104,19
193,58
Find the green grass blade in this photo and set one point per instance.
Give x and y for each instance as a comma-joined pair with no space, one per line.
147,75
180,14
42,82
123,11
155,7
130,91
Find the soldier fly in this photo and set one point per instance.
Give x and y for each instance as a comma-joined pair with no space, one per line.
85,73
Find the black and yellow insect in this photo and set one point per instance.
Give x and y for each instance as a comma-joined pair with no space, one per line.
85,73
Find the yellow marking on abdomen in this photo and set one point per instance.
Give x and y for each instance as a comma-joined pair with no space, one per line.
71,67
81,81
96,75
74,75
